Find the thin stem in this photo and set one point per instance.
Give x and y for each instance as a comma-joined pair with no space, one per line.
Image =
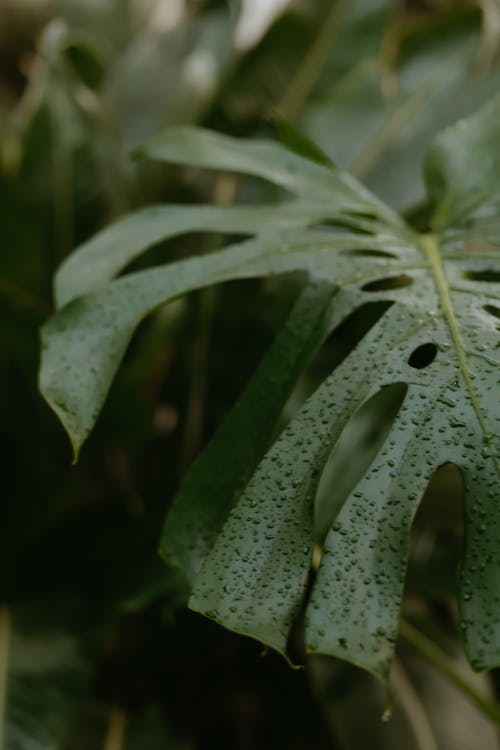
115,737
490,35
402,113
225,193
443,664
197,390
5,635
62,170
311,66
22,297
413,707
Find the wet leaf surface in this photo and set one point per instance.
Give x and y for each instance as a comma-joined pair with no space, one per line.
248,552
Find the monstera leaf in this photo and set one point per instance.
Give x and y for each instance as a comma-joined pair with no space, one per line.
242,526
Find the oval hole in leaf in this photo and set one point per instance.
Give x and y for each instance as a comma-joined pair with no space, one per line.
388,282
492,310
368,253
488,275
423,356
436,532
356,448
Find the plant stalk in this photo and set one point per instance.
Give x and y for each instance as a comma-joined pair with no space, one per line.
311,66
412,705
5,636
115,737
443,664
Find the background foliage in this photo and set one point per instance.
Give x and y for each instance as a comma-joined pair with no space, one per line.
97,649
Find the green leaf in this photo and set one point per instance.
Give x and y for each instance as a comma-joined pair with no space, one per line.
248,555
462,167
108,252
202,148
83,345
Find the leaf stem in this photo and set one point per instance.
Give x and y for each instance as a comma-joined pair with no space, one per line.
443,664
402,113
115,737
308,71
5,633
413,707
22,297
225,194
195,411
62,172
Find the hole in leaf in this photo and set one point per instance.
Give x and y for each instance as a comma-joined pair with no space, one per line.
488,275
339,344
368,253
422,356
345,337
389,282
492,310
354,451
345,223
176,248
436,534
361,215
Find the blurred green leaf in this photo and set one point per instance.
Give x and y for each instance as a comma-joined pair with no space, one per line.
462,166
378,117
45,674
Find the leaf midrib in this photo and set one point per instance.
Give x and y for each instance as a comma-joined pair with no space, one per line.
431,249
